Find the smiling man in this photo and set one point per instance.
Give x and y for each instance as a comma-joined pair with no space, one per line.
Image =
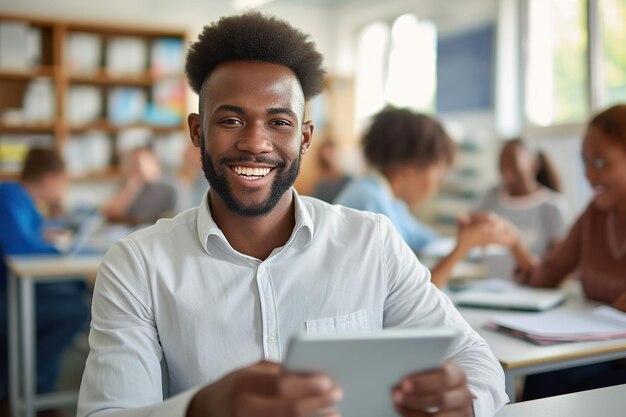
218,291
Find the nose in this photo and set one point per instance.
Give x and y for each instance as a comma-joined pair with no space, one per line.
254,139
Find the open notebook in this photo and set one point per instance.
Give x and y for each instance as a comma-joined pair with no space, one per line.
505,294
559,326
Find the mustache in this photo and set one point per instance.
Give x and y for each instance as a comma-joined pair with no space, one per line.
278,163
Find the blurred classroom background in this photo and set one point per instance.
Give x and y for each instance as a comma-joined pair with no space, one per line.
95,79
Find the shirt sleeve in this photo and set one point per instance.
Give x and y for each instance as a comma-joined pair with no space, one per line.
123,375
560,260
413,301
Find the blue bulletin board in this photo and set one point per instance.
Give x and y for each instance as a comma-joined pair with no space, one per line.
465,71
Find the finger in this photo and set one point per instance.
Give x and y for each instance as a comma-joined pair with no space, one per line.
304,385
261,378
405,412
265,406
431,382
448,400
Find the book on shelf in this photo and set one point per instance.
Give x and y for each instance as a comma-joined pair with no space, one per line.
84,104
167,57
39,101
20,45
126,105
167,107
126,55
13,149
558,326
82,52
87,153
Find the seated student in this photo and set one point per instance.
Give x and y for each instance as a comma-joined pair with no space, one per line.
144,198
219,290
409,154
331,180
595,246
60,308
528,196
190,183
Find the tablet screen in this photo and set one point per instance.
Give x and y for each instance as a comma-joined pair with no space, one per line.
367,365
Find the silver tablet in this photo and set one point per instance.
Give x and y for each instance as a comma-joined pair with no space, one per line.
367,365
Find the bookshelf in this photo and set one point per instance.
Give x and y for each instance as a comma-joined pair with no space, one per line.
67,83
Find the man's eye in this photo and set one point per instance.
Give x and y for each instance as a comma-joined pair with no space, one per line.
231,122
280,123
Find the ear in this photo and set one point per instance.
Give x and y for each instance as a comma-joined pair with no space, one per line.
195,128
307,136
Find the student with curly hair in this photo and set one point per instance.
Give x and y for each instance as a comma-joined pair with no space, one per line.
217,291
408,154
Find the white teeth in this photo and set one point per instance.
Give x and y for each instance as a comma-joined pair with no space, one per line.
251,172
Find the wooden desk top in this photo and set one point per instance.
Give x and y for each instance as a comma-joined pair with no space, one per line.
53,265
517,353
603,402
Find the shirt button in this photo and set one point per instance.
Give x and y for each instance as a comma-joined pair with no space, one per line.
271,340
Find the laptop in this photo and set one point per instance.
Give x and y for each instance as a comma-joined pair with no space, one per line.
504,294
90,222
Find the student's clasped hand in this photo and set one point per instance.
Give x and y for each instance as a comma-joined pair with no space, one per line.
440,392
484,228
264,390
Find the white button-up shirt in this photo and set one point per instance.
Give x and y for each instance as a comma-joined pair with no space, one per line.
178,291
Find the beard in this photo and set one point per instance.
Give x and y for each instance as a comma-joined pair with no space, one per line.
284,179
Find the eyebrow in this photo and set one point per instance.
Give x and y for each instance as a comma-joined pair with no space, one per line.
271,111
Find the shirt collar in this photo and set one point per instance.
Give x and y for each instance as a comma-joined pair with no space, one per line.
301,236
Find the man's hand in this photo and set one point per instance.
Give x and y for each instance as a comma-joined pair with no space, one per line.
440,392
264,390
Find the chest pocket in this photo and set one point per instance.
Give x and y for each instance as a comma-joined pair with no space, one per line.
359,320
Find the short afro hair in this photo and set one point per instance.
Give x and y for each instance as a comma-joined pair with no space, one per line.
255,37
400,136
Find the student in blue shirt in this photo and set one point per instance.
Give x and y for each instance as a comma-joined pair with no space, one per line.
60,308
409,154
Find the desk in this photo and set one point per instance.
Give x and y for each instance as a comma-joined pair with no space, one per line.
24,273
520,358
603,402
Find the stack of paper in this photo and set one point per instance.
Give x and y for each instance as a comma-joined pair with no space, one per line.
557,326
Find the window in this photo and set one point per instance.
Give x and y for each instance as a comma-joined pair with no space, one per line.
556,73
411,79
370,77
396,66
613,16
